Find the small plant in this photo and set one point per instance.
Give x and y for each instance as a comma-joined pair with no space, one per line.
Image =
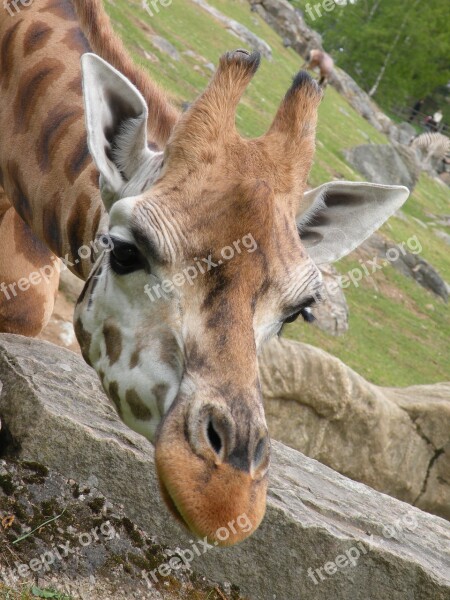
30,594
38,593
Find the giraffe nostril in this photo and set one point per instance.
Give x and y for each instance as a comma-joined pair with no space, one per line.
211,432
261,454
214,438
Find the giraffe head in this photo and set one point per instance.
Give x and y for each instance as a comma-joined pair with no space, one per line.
206,264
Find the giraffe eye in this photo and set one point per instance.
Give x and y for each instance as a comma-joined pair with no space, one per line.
125,258
305,311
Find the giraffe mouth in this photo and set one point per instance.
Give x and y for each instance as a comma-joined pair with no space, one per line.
171,505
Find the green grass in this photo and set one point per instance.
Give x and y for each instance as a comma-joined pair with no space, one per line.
395,338
30,593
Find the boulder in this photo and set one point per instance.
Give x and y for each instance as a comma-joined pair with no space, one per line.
288,22
324,536
165,46
423,272
402,133
381,164
410,160
332,313
395,440
360,100
409,264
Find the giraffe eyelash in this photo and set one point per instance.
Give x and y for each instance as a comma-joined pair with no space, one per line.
308,315
305,312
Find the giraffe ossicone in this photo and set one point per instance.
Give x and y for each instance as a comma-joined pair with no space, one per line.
182,370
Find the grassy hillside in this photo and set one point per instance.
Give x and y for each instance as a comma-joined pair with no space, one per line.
399,333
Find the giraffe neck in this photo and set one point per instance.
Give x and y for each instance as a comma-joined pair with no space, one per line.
45,166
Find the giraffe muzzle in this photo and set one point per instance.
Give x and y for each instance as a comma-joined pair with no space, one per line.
212,471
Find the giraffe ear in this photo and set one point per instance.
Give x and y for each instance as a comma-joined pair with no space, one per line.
116,121
337,217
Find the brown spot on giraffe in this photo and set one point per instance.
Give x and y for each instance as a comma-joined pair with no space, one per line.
76,226
31,89
63,9
78,160
195,357
138,409
36,37
134,359
113,393
24,312
51,217
19,196
113,341
7,53
54,131
96,222
94,177
76,40
85,338
32,249
222,314
219,282
76,86
170,351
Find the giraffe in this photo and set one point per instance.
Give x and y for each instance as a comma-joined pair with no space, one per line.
323,61
98,153
434,144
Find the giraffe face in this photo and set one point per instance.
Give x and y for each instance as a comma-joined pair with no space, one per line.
206,264
180,361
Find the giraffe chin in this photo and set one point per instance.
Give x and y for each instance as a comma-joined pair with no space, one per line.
218,502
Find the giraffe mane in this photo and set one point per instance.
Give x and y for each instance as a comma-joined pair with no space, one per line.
105,42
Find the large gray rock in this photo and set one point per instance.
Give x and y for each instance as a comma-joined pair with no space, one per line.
358,541
360,100
381,164
409,264
402,133
410,160
165,46
332,313
423,272
289,24
395,440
